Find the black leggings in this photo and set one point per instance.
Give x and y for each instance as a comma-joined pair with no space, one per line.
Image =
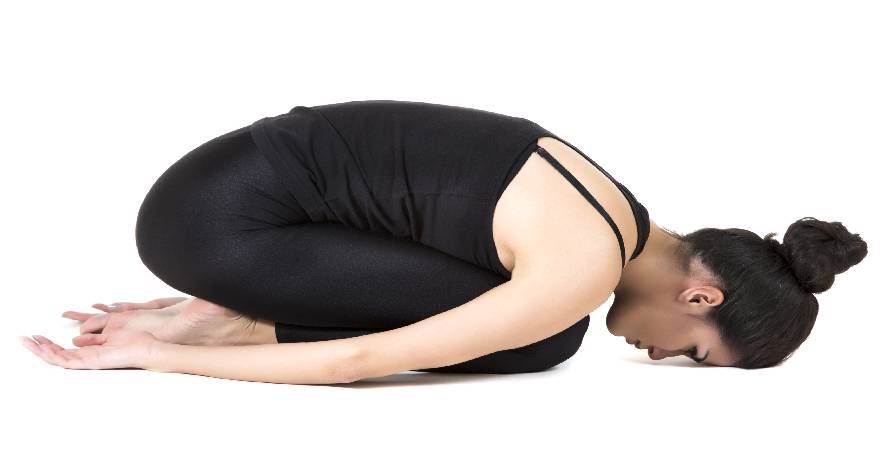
219,225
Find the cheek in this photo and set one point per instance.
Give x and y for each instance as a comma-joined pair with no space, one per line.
623,320
616,318
670,333
651,325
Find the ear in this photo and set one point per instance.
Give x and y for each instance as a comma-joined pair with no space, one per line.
704,296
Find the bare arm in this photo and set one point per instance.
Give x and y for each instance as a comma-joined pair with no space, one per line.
319,362
561,275
516,313
546,295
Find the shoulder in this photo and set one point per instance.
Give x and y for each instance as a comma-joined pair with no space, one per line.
542,216
586,264
558,238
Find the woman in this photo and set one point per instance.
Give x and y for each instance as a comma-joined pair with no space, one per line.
345,241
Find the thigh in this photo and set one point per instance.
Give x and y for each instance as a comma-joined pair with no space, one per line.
219,191
219,224
355,282
326,274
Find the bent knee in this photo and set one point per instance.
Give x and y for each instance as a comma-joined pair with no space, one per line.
191,209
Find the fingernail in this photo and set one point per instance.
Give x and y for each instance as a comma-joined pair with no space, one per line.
113,306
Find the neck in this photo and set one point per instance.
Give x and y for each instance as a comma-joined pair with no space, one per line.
654,267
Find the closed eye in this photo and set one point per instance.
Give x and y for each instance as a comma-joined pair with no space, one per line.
692,353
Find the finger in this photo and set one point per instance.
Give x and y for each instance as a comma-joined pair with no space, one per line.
156,304
41,339
30,344
90,339
57,355
117,306
123,306
47,344
56,352
94,324
40,350
167,301
67,358
78,316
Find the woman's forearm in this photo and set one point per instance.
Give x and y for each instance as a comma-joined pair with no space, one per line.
318,362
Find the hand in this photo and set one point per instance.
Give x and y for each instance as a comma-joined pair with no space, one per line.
189,321
149,316
121,350
154,304
109,324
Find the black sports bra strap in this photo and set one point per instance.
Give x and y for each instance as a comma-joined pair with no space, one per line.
568,176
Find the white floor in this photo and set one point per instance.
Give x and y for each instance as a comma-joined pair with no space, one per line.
608,406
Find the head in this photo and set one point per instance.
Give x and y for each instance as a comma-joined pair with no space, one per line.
745,300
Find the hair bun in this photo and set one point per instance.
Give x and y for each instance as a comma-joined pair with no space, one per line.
818,250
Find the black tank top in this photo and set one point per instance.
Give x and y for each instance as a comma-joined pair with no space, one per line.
427,172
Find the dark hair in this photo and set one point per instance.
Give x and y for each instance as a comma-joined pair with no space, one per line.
769,308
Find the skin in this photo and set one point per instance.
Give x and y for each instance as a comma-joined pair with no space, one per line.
654,304
660,308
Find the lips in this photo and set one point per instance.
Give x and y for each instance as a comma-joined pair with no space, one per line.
638,344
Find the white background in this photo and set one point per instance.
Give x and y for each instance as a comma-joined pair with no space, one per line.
746,114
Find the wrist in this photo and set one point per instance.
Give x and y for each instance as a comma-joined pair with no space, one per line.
159,356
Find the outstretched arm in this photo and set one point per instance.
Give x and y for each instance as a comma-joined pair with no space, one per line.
319,362
560,275
514,314
315,362
539,301
533,306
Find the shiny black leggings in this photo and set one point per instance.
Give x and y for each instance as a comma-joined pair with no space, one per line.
219,225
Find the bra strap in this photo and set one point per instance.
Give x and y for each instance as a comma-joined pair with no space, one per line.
583,191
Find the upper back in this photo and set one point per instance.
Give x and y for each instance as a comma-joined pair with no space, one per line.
541,214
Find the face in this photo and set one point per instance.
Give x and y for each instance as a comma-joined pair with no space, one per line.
671,324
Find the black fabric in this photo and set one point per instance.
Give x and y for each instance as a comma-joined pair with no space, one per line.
339,220
590,198
430,173
219,224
